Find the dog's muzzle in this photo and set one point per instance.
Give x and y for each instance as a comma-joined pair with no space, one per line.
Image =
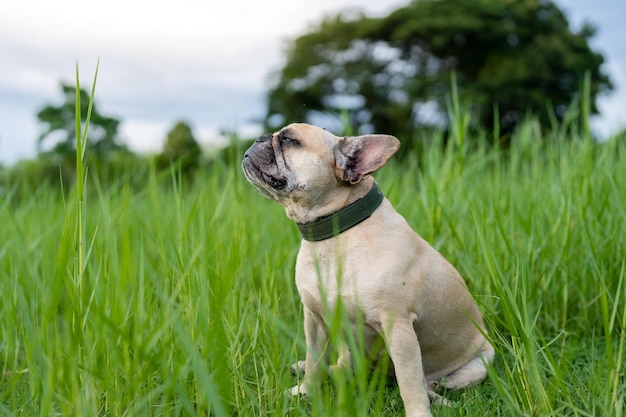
259,164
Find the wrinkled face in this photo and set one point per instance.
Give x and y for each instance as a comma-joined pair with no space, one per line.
296,163
309,170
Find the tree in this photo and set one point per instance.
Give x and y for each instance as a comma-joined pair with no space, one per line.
393,74
102,134
181,147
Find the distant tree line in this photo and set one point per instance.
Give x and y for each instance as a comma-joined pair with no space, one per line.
181,147
60,126
108,158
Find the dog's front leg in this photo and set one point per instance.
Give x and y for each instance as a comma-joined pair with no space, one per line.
316,337
344,361
404,350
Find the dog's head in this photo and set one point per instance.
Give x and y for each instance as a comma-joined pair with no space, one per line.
309,171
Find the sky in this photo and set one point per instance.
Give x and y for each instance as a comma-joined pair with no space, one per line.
207,62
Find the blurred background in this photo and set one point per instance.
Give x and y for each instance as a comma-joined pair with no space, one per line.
211,69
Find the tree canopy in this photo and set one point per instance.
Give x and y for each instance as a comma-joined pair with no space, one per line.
102,136
181,147
393,74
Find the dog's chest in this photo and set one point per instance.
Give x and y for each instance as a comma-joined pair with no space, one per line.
324,277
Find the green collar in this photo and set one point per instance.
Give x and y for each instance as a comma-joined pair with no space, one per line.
342,220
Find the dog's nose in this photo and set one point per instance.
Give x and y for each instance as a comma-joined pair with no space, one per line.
264,138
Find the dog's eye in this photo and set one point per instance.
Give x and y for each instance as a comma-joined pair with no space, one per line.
288,140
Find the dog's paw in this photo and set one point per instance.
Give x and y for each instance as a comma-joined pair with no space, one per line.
298,368
297,391
437,399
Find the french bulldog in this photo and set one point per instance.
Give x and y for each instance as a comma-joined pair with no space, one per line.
359,252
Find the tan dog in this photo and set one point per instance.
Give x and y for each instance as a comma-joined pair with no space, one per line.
358,250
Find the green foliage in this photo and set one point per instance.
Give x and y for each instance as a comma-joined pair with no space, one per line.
102,139
186,304
108,160
167,297
181,148
59,172
392,74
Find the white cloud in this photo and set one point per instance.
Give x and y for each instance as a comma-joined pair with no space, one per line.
149,135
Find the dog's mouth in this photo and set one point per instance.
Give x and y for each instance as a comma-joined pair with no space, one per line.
275,183
256,174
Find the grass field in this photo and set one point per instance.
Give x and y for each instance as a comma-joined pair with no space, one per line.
176,298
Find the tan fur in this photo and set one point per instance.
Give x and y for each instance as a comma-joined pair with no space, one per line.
380,270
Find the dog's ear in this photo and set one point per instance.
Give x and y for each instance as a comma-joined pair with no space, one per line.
359,156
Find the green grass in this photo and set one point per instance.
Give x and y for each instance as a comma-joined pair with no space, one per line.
177,298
